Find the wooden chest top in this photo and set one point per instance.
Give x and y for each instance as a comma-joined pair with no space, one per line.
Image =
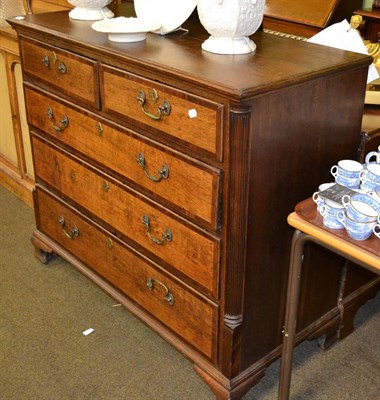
278,62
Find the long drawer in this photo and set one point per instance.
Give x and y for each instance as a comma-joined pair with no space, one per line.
66,73
190,251
184,311
167,175
181,116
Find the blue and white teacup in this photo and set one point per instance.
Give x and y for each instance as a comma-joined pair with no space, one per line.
361,207
375,193
347,169
357,230
331,208
368,184
371,172
319,201
376,230
348,182
331,221
373,157
329,214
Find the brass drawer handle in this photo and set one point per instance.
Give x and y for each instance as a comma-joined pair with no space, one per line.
74,231
61,66
63,123
167,236
162,174
162,110
167,296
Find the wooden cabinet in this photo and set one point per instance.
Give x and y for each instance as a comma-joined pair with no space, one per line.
39,6
165,174
16,167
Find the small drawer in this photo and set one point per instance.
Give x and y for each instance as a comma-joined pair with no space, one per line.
186,118
66,73
190,252
161,295
174,179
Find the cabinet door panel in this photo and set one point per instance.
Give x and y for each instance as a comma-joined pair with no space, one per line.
7,139
27,151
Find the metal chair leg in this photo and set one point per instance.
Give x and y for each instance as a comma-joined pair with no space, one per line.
296,258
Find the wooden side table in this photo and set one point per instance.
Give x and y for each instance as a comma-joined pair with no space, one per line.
309,227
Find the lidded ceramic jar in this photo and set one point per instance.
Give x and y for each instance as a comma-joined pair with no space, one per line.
230,23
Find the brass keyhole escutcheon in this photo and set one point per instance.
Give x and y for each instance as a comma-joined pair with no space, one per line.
109,243
99,128
105,186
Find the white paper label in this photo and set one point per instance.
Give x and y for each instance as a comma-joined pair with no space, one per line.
193,113
342,36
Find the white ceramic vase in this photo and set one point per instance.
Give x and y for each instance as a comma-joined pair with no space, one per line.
90,10
230,23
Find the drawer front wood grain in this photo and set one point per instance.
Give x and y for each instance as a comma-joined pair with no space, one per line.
191,252
66,73
190,185
193,120
127,270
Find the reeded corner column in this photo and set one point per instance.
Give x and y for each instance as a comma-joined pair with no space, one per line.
236,201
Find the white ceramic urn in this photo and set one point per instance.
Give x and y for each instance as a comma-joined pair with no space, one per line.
90,10
230,23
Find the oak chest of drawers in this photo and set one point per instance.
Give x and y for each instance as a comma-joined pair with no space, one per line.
165,174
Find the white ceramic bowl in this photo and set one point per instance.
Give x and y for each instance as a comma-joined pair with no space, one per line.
123,29
90,10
